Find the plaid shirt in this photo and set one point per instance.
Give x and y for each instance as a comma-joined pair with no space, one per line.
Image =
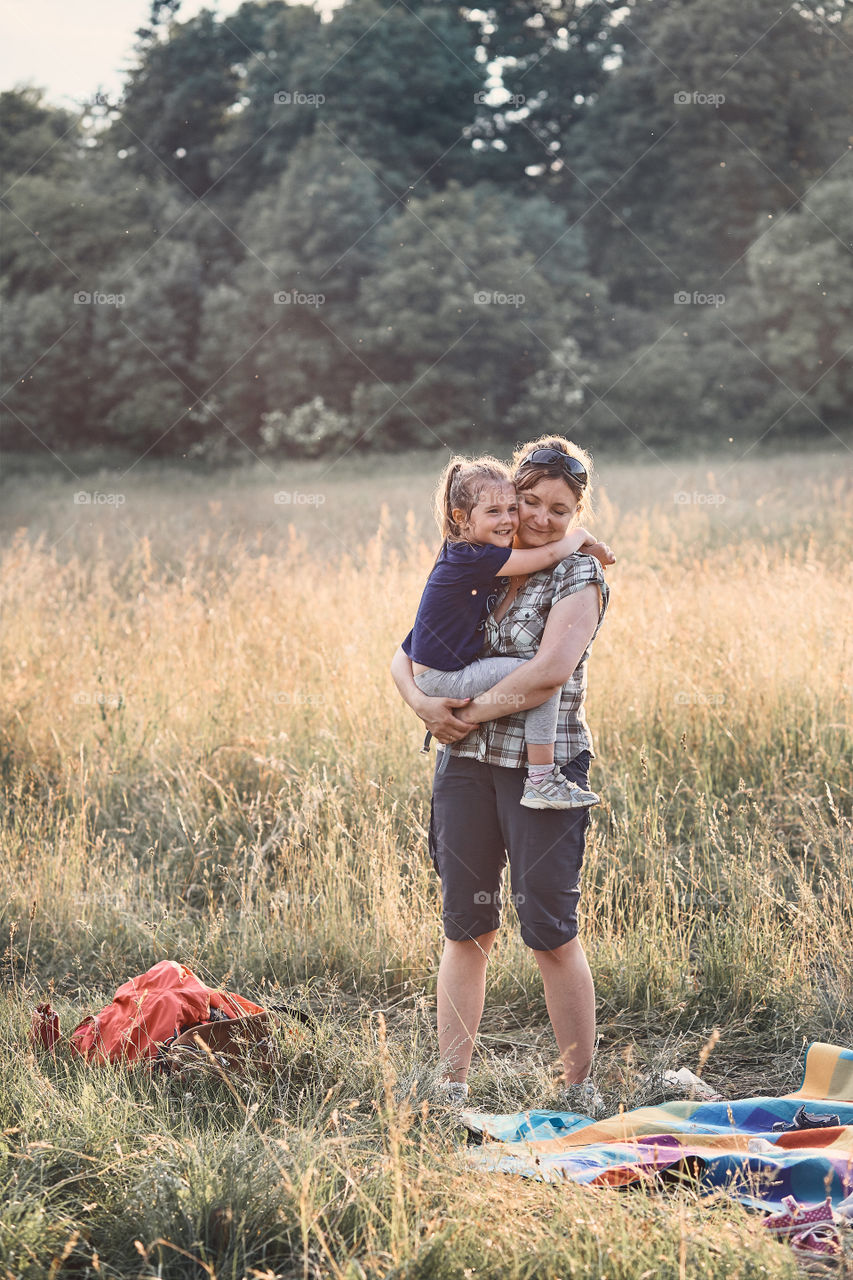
518,635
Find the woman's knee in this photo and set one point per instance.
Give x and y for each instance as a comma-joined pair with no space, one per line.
563,953
548,924
483,942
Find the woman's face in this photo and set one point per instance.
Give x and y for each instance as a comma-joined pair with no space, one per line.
544,512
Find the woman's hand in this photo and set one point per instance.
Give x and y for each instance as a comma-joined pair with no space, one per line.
437,715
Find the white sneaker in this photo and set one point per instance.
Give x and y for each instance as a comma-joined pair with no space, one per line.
584,1099
453,1093
556,792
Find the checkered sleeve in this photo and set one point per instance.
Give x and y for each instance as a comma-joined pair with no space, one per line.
576,572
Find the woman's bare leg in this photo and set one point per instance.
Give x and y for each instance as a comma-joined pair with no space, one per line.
570,1000
461,996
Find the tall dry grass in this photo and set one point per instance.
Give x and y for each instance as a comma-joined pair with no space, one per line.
204,759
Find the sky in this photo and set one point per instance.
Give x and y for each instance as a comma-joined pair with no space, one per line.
75,48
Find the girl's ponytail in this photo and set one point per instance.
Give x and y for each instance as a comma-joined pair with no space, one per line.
459,489
446,499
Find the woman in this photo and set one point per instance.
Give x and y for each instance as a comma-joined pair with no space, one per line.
476,821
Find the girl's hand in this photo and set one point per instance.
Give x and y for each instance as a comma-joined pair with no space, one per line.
601,551
437,715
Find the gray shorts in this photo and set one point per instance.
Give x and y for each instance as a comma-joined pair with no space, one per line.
477,824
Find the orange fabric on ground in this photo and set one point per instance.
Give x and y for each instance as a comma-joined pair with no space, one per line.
150,1009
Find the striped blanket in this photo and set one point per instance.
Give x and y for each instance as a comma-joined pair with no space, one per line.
728,1145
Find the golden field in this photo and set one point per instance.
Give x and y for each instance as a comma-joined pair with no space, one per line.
204,759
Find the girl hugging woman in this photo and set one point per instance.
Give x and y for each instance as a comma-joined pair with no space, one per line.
476,507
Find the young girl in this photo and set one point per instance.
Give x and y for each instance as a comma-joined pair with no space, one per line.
477,514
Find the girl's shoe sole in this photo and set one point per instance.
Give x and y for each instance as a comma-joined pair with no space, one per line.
543,804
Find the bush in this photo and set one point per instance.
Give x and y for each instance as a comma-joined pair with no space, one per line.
309,429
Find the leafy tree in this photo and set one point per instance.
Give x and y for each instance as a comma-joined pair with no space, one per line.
398,86
176,100
72,231
801,271
34,134
455,320
380,209
46,354
668,391
259,132
313,239
557,395
546,62
681,182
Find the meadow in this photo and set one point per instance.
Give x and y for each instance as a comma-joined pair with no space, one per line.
203,758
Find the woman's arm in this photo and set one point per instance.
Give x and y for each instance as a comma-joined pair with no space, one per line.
570,627
435,712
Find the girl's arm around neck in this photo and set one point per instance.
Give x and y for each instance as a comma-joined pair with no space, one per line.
536,558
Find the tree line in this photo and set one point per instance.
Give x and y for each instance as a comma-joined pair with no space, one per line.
416,222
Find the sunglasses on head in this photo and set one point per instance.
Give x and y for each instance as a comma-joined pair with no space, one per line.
548,456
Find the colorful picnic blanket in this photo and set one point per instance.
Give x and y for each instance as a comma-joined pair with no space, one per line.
728,1145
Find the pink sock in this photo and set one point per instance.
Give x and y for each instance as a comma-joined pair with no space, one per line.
539,772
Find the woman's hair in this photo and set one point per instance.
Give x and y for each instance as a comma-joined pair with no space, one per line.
528,475
459,489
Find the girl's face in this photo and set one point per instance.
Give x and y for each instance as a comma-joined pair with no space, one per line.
493,518
545,512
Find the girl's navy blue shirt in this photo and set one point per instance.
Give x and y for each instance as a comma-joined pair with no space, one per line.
460,592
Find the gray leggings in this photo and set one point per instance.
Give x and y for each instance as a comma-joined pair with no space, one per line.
540,723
